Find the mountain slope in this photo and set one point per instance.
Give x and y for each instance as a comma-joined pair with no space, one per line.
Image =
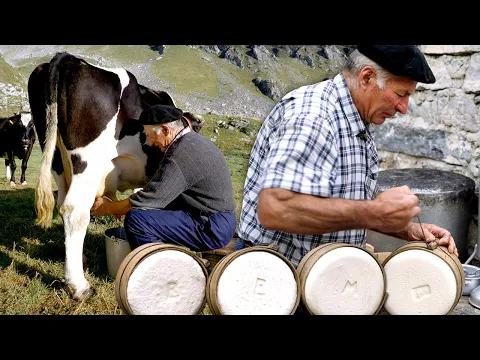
238,80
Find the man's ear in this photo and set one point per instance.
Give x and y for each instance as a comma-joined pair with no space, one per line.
165,129
367,75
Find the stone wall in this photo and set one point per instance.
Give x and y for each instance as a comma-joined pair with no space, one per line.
441,129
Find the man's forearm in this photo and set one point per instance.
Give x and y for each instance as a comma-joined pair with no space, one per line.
120,207
306,214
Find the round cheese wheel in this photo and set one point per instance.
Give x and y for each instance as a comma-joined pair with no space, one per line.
168,282
257,283
346,280
419,283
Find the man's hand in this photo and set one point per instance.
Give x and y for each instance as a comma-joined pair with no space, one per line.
432,232
99,207
397,207
105,206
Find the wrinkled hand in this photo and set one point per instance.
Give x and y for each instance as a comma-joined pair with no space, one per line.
398,206
432,233
98,207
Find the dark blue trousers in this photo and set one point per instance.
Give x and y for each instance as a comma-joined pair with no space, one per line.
179,228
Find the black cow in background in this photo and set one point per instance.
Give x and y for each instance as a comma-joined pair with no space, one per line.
17,136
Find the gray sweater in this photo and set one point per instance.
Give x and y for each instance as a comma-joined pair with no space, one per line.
193,176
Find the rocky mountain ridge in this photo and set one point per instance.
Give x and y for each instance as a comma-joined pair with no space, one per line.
265,66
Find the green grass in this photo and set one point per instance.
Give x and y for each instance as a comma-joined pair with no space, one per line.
32,259
10,75
124,54
184,67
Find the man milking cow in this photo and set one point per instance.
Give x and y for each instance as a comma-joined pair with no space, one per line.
86,118
189,201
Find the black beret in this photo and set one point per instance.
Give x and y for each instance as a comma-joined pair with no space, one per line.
160,114
400,60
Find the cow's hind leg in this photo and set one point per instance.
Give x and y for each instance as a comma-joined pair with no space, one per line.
13,167
8,173
61,183
75,212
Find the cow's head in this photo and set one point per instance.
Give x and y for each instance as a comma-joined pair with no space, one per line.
196,121
21,127
25,124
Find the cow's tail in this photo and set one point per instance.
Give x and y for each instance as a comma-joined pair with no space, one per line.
44,200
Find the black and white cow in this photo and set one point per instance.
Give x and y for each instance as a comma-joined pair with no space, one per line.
85,117
17,136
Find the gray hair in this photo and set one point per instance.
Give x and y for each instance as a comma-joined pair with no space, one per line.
173,125
356,62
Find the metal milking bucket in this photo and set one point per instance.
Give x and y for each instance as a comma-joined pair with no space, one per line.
116,248
446,200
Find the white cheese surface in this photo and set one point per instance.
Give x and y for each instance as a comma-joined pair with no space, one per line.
419,283
257,283
168,282
344,281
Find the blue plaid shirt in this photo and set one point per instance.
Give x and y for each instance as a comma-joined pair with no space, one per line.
312,142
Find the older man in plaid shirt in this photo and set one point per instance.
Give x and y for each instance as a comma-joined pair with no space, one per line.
314,165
